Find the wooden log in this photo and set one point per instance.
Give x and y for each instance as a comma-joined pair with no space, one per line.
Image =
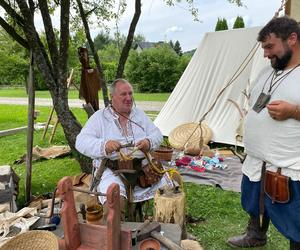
169,207
12,131
167,242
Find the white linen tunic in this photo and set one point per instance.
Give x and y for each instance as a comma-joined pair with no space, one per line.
104,126
275,142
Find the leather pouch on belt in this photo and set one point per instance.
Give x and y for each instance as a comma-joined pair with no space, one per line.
150,176
277,186
125,164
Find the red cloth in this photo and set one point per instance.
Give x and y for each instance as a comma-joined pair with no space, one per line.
184,161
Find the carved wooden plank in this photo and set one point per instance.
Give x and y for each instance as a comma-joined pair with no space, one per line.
93,236
68,214
113,217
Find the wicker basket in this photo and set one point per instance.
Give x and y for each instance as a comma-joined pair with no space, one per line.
32,240
163,154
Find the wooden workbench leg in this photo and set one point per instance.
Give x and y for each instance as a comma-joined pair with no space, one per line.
69,215
113,218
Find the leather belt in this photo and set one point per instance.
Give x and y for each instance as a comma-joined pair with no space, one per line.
114,164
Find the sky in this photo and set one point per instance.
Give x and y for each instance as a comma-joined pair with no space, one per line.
159,22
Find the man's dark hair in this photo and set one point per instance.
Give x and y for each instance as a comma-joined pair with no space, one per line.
282,27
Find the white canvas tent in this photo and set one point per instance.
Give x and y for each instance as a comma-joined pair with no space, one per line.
214,63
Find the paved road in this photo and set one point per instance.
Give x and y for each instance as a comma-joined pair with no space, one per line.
146,106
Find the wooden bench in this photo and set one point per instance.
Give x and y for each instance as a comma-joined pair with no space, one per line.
82,236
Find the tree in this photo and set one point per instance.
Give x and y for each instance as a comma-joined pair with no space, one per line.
129,40
155,69
238,23
221,24
109,58
177,48
13,63
102,40
51,58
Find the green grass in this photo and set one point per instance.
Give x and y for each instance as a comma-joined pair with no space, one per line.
73,94
221,210
223,217
45,174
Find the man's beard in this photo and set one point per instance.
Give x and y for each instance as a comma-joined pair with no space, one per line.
281,63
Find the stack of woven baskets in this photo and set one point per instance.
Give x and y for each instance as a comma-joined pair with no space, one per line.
32,240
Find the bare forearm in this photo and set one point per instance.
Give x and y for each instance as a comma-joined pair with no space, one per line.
296,112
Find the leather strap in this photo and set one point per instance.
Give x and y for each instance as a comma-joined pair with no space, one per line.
262,194
275,185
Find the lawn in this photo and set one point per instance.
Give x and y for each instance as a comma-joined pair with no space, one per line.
220,210
73,94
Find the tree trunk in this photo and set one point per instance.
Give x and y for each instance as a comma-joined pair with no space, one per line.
129,40
71,129
55,81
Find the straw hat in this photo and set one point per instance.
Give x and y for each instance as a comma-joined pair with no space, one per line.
189,133
32,240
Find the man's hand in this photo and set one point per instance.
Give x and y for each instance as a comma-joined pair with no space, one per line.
143,145
112,146
281,110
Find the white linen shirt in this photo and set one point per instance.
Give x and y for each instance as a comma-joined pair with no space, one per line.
104,126
265,139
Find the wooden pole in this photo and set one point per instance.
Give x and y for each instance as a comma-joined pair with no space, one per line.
288,8
292,8
31,96
47,123
53,130
69,81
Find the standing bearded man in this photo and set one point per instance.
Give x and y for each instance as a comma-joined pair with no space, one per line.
271,171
